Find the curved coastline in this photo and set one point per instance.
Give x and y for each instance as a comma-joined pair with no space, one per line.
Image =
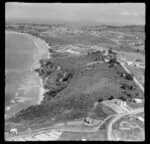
39,53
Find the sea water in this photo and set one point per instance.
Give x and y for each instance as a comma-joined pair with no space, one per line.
22,84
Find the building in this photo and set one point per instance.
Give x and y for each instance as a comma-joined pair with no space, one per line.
58,68
83,139
105,53
124,104
130,63
88,120
139,65
140,118
137,100
124,128
106,60
13,131
116,101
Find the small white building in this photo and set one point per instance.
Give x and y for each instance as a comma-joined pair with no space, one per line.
140,118
88,120
140,65
130,63
106,60
13,131
137,100
105,53
117,101
83,139
58,68
124,104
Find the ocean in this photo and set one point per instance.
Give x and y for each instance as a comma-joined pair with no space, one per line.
22,83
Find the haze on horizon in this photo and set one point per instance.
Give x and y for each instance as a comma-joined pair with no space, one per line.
100,13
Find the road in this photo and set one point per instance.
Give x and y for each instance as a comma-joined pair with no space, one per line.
109,135
93,128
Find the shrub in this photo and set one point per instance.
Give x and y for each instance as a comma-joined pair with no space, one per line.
127,87
129,76
122,98
96,56
100,100
111,97
110,51
129,95
113,60
112,65
137,50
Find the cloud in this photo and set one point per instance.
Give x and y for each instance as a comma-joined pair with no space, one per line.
127,13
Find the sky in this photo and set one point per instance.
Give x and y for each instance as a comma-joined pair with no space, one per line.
105,13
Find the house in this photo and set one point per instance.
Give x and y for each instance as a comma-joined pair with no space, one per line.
136,100
58,68
122,58
88,120
106,60
83,139
124,128
130,63
140,118
124,104
117,101
13,131
139,65
105,53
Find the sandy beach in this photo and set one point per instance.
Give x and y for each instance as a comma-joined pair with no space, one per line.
40,52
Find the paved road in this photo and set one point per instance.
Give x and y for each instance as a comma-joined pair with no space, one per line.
109,135
65,128
84,129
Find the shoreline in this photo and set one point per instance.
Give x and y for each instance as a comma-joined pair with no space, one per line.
39,53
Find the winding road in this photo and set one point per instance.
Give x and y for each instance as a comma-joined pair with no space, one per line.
109,135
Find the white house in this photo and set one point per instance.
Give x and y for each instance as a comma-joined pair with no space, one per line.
124,104
83,139
140,118
88,120
105,53
117,101
137,100
58,68
106,60
13,131
140,65
130,63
